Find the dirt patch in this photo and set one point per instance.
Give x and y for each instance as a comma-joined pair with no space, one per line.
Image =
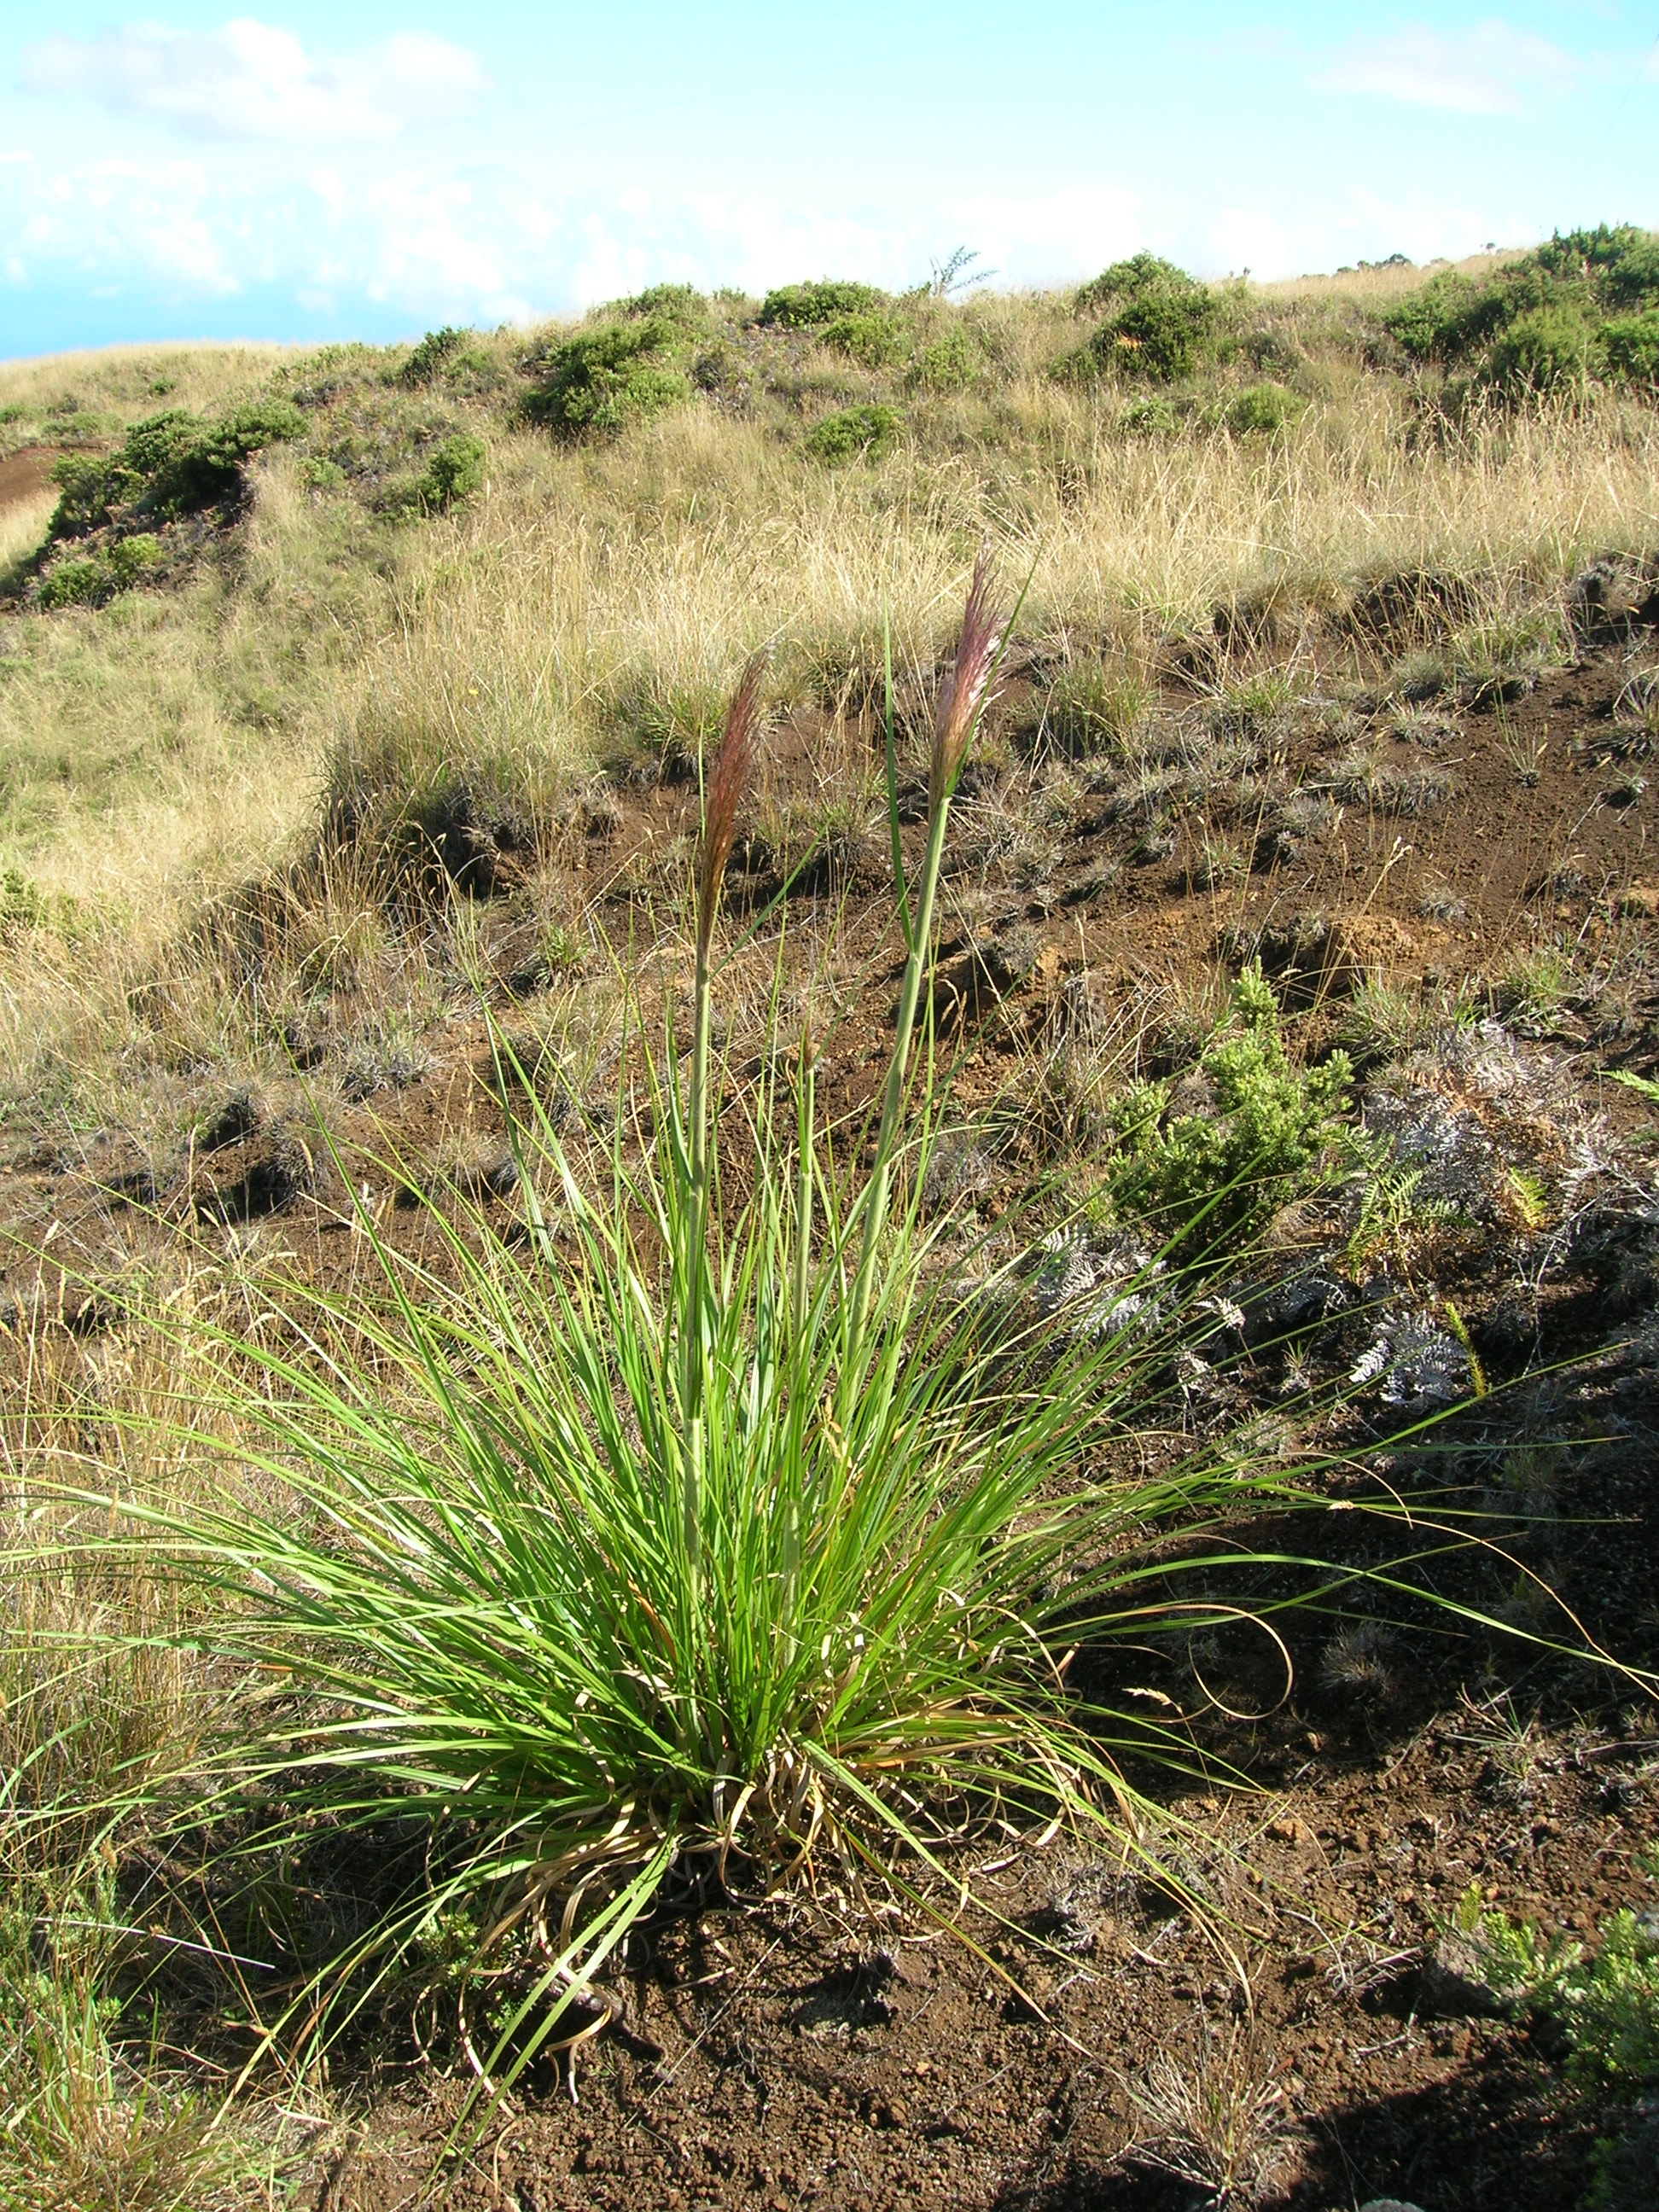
24,475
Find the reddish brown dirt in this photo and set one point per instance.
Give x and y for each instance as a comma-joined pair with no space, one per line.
25,475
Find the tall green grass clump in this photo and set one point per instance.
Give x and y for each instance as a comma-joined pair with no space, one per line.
711,1525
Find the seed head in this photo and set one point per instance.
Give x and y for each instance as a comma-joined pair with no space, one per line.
961,695
726,783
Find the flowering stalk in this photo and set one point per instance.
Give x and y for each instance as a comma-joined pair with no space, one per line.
956,713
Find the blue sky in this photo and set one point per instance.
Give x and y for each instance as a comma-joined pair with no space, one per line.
370,170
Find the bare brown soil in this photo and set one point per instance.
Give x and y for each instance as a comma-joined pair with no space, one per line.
24,475
802,2051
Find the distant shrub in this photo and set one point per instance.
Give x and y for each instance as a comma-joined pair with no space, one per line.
672,303
600,380
1148,417
952,363
321,475
1214,1176
1163,324
129,558
1442,319
454,472
429,356
872,340
1633,279
1629,345
854,432
91,582
805,307
75,584
1548,350
1545,322
1125,280
1262,407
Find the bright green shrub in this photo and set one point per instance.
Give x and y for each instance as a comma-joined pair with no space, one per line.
430,355
1125,280
952,363
1611,2009
1547,350
76,583
600,380
872,340
1630,346
1215,1176
1633,279
681,304
1262,407
853,433
1442,320
803,307
1148,417
455,471
87,485
129,558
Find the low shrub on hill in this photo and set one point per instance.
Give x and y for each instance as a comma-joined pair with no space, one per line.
1578,308
806,307
602,379
853,432
873,340
454,473
1262,407
951,363
170,464
434,351
1161,326
1208,1176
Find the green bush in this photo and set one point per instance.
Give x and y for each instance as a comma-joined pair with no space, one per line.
1630,346
1611,2009
1633,279
952,363
1204,1178
430,355
1164,324
91,582
1442,318
601,380
1536,325
1148,417
1126,281
129,558
873,340
170,464
455,471
680,304
805,307
76,583
1547,350
854,432
1262,407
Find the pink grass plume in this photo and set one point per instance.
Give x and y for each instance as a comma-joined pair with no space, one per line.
733,764
962,695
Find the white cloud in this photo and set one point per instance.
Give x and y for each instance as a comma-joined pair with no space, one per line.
1487,69
250,81
1248,238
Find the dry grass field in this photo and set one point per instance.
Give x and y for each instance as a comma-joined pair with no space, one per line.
1252,1801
